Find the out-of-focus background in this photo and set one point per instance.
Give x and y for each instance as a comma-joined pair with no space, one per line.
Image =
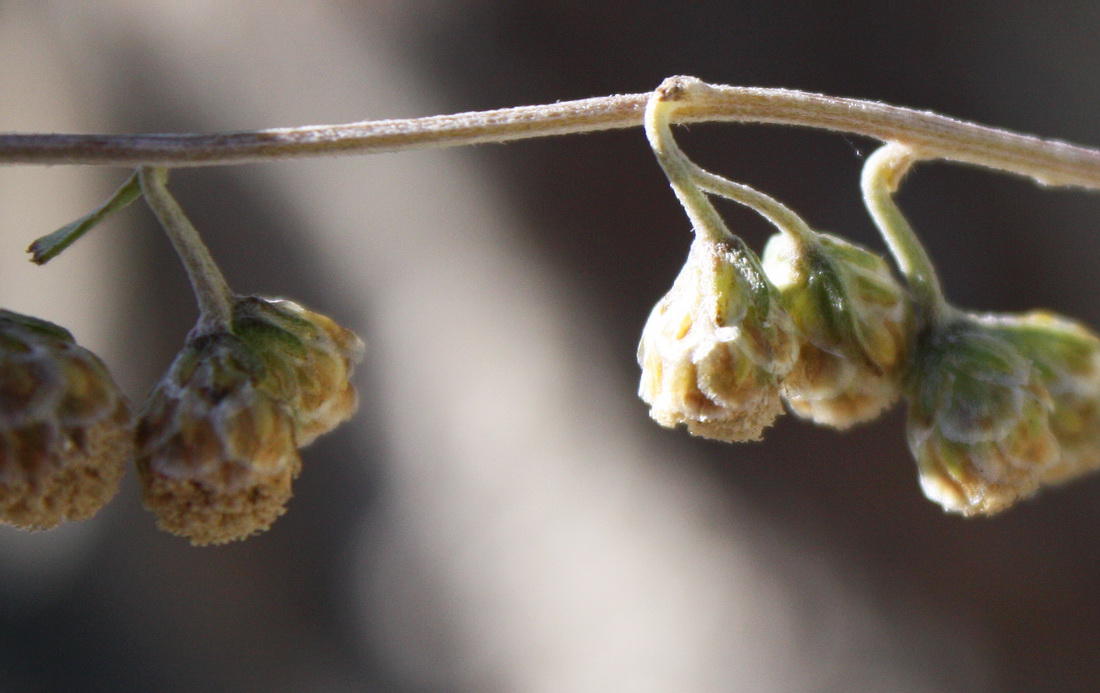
501,515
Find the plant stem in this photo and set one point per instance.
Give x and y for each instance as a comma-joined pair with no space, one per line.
930,136
50,246
211,290
780,215
882,174
680,170
691,182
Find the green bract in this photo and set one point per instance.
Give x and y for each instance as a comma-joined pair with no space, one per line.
310,360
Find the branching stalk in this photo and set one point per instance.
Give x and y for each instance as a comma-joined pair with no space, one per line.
690,181
681,171
928,135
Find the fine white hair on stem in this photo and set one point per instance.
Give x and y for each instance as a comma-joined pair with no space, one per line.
928,135
689,181
882,174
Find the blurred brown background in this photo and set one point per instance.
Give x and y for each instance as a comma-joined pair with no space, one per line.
501,515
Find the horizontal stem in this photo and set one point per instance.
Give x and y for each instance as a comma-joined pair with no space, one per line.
928,135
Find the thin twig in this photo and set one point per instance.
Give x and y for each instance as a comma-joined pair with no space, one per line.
929,135
882,174
211,290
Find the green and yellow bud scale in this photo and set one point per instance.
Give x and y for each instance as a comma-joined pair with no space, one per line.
218,438
715,348
1067,357
310,360
979,417
65,428
854,322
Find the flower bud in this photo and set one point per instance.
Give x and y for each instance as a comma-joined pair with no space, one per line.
716,346
978,419
1067,356
854,325
309,361
219,436
65,428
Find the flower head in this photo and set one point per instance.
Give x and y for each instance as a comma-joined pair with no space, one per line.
854,324
979,418
716,346
218,438
65,428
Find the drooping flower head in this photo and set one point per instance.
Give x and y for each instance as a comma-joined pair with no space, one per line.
854,323
65,428
218,438
979,417
716,346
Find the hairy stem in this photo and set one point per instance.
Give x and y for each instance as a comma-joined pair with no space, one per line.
211,290
690,182
882,175
681,172
780,215
928,135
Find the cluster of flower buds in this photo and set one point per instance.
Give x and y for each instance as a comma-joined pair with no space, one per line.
216,444
65,431
824,326
218,439
819,322
1001,405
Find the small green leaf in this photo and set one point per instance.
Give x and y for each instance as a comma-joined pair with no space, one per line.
50,246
